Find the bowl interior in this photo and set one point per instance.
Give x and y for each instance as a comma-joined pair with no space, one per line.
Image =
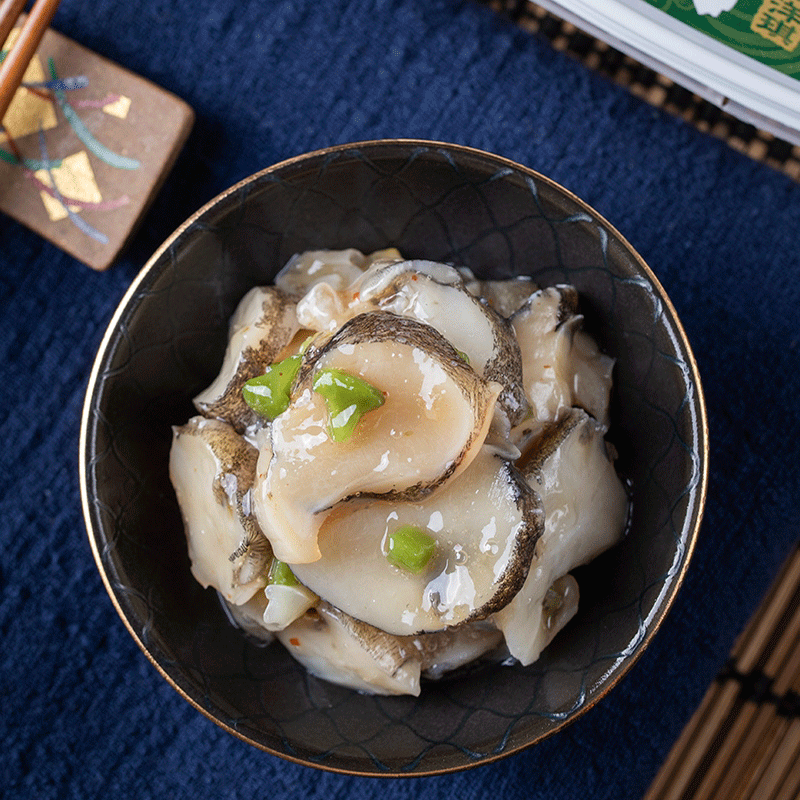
166,343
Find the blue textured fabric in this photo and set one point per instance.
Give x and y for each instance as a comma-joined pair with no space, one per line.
82,712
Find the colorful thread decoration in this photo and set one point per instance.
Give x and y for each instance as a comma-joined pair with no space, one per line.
67,186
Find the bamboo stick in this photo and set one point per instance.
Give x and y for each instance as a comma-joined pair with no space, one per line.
725,749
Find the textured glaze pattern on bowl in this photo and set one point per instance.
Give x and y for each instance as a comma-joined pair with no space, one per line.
166,341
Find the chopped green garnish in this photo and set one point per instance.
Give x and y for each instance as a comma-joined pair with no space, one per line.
268,394
280,574
347,398
411,548
463,356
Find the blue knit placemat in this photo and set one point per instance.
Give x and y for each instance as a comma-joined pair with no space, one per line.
84,714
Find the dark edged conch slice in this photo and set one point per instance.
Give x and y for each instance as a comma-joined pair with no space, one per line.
435,294
341,650
482,525
337,648
452,648
212,469
263,324
586,510
562,366
435,416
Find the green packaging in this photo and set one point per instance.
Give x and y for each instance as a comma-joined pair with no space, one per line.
765,30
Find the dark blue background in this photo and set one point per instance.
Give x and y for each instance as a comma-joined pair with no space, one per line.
84,714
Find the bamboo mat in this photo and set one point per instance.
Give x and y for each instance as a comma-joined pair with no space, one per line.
743,741
653,87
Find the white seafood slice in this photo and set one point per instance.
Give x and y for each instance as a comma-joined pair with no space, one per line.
435,294
435,417
212,469
543,620
344,651
562,366
452,648
485,524
336,268
285,604
270,610
262,326
586,509
504,296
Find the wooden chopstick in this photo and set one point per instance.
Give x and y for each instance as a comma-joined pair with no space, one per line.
9,13
16,61
743,742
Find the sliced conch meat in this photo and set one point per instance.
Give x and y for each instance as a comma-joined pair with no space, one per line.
447,650
340,649
434,418
435,294
585,506
504,296
399,466
285,604
336,268
485,524
543,620
562,366
263,324
271,609
344,651
212,469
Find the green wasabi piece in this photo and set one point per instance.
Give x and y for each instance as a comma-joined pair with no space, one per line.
347,398
410,548
280,574
268,394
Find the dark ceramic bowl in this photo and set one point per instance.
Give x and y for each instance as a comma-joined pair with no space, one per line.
166,342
